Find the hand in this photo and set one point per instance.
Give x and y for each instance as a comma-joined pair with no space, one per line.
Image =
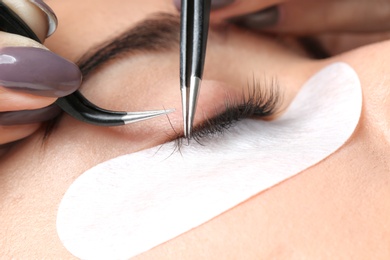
340,24
31,77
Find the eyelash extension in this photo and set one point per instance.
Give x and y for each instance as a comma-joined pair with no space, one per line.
261,102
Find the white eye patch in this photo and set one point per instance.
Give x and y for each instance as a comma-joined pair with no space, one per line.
130,204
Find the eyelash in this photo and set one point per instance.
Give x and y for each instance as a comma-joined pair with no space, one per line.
261,102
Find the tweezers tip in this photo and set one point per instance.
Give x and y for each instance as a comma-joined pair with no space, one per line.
193,101
184,103
169,111
132,117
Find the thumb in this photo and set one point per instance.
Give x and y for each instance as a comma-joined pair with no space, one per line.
306,17
26,65
37,15
31,77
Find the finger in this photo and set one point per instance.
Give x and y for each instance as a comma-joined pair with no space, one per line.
10,134
24,117
337,43
36,14
240,12
32,78
28,67
335,16
305,17
226,9
13,101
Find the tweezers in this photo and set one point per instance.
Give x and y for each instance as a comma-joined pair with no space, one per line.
75,104
195,17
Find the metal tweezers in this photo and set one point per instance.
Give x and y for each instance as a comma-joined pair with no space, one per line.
194,32
75,104
195,16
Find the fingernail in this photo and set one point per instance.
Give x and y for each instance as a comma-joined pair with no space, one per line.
215,4
52,18
38,71
259,20
29,116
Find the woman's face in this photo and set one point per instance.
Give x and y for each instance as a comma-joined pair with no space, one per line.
334,207
149,80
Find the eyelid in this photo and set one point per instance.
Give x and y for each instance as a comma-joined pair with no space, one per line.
261,101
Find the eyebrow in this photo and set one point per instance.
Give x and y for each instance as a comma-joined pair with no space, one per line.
159,32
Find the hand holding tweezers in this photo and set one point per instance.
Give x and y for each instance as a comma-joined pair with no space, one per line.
195,16
75,104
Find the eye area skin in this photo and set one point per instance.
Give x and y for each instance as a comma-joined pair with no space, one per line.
154,36
260,103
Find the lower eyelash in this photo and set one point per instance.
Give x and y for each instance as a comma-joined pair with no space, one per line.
261,101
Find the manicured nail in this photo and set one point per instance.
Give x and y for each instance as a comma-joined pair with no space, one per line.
259,20
29,116
215,4
38,71
52,18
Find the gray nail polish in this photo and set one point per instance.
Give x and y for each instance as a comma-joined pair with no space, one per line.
259,20
38,71
29,116
215,4
52,18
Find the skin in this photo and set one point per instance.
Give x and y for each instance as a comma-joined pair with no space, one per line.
339,25
346,15
337,209
11,100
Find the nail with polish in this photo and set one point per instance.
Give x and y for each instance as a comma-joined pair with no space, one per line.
52,18
25,117
38,71
258,20
215,4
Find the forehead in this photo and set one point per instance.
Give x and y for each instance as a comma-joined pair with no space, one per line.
83,24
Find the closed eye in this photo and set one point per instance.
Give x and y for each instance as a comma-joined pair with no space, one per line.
260,102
